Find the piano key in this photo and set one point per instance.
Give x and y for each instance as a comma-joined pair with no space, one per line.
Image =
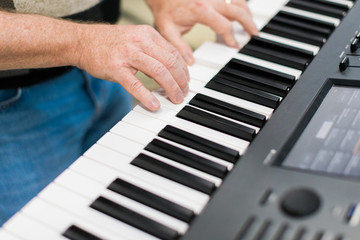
322,7
146,211
278,53
24,227
254,81
228,110
312,48
155,121
161,186
132,132
191,140
217,123
295,34
317,27
198,87
211,158
117,143
182,167
254,107
169,172
94,190
319,17
200,72
123,214
269,65
213,55
8,236
78,205
346,3
240,91
171,152
262,72
76,233
61,221
150,199
122,145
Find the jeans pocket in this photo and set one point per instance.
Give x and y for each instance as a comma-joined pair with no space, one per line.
8,97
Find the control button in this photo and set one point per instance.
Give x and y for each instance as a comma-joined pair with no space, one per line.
300,202
344,63
355,44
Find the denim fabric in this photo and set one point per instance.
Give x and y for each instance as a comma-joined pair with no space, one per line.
45,127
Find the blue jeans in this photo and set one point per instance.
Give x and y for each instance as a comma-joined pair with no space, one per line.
45,127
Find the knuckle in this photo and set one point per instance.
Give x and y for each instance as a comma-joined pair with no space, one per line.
136,86
158,69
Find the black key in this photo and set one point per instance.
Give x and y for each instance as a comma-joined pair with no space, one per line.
244,92
259,72
134,219
295,34
199,143
278,53
267,85
155,166
228,110
184,157
145,197
76,233
303,22
331,9
217,123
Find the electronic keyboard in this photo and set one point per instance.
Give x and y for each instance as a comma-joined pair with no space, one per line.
264,147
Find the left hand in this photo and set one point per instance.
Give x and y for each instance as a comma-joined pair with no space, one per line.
173,18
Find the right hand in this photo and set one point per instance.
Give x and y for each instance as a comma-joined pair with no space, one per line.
116,53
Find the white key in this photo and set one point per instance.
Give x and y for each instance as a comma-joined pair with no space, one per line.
316,16
79,206
156,124
24,227
60,220
165,101
133,133
266,64
170,117
290,42
214,54
94,190
8,236
258,108
188,197
227,164
202,73
119,143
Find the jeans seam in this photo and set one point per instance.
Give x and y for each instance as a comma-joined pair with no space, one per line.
8,102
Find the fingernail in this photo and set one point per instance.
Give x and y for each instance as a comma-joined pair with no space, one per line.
179,97
155,103
186,90
188,59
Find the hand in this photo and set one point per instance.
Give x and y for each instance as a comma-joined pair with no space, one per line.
176,17
116,53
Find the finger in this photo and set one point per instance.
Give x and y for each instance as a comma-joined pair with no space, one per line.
158,71
173,35
174,61
136,88
242,4
239,14
220,25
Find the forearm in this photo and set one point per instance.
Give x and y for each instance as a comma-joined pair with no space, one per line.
33,41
